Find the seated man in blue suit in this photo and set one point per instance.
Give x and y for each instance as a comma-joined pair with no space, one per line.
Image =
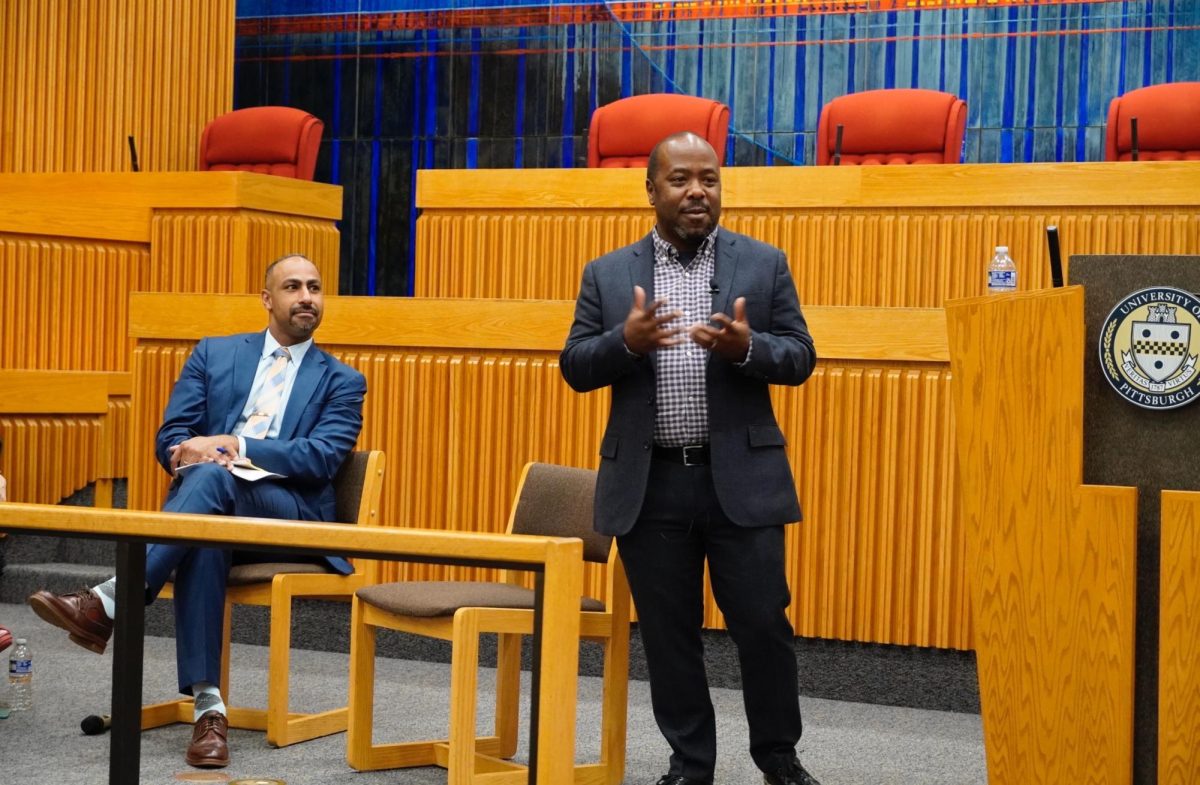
272,397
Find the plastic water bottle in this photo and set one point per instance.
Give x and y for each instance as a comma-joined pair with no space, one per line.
1002,272
20,677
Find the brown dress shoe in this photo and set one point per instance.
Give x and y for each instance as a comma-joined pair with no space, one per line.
208,749
79,613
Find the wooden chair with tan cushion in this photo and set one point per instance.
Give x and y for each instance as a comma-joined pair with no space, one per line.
552,501
358,486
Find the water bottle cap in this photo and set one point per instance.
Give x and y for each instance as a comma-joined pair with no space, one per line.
19,641
1001,249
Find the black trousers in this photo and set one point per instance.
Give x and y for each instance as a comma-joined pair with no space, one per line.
681,524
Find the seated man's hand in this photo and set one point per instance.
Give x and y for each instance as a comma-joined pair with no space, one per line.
3,489
221,449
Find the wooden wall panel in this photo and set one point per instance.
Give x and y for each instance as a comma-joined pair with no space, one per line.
120,410
881,556
61,429
1179,641
1051,561
28,440
879,257
227,250
861,236
58,302
78,76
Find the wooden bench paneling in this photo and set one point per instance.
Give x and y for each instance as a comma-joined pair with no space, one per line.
462,393
886,236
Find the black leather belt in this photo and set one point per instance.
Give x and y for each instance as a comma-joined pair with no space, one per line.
689,455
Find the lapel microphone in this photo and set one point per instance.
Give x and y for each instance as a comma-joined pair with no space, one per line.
713,288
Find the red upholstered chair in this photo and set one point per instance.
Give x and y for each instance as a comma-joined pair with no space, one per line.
265,139
893,127
1168,123
623,133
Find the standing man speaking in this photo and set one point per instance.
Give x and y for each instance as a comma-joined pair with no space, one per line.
692,464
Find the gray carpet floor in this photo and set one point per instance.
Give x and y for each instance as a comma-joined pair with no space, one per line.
843,744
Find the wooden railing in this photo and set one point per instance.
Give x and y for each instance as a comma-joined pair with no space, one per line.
462,393
62,430
891,236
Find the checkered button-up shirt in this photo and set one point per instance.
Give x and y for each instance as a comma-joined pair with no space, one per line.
682,413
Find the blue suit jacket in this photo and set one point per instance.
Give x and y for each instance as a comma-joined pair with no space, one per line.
319,427
750,468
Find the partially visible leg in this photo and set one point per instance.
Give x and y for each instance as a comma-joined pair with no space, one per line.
665,566
746,568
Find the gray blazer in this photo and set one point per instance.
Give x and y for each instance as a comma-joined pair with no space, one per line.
750,468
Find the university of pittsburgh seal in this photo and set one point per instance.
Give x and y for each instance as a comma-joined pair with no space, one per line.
1148,348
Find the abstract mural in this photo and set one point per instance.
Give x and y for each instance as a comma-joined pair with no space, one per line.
404,85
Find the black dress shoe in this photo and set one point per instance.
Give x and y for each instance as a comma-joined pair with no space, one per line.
791,773
679,779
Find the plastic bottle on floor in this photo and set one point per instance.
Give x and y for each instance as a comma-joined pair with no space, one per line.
20,676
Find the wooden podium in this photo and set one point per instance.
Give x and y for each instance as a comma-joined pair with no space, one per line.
1053,563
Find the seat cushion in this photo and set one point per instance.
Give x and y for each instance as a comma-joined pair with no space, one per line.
245,574
443,598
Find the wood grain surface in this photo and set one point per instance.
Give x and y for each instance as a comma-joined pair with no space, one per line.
1051,562
863,236
461,394
1179,641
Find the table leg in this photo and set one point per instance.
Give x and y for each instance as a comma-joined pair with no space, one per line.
124,761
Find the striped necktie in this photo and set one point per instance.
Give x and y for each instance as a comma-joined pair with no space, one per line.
259,421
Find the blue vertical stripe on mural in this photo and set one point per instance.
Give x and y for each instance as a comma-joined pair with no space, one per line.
801,90
964,84
820,80
1009,98
519,102
418,103
568,105
850,87
473,101
732,86
594,73
770,102
889,52
1124,44
942,54
914,77
1148,45
1171,41
700,58
1059,107
669,68
335,118
1031,91
626,63
1082,115
376,150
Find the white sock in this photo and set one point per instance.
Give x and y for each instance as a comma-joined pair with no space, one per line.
107,592
207,698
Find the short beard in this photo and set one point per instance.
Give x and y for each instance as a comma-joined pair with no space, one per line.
689,236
